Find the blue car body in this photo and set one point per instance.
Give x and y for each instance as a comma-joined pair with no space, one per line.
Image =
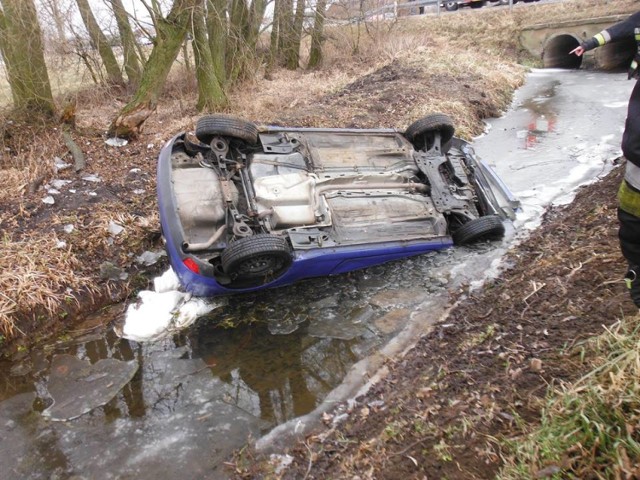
242,211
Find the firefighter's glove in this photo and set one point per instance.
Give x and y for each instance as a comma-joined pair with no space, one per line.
632,279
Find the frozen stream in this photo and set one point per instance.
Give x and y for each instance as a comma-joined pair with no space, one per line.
98,406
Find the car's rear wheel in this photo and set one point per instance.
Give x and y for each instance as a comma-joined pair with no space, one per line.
421,133
255,260
451,6
211,126
489,227
477,4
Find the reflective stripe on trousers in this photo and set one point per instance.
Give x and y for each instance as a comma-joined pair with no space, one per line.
632,175
629,198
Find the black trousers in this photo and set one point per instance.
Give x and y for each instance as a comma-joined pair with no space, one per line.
631,135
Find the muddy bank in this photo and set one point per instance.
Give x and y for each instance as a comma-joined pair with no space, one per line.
480,375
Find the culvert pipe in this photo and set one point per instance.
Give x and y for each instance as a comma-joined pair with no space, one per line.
556,52
611,57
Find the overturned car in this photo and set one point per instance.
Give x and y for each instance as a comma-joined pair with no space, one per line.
244,207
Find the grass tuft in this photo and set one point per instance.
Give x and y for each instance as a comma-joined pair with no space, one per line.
36,274
591,428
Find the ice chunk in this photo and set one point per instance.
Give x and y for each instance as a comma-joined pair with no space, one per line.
149,258
59,164
78,387
116,142
115,228
92,178
58,183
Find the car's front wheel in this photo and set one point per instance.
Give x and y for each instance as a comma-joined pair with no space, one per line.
211,126
489,227
451,6
421,133
256,260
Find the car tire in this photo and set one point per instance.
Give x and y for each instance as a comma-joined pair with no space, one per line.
451,6
421,132
257,259
477,4
211,126
489,227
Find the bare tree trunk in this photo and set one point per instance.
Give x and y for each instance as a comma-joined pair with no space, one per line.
23,55
274,52
217,30
170,35
244,29
185,58
315,55
99,41
210,93
237,51
256,15
292,55
285,21
129,45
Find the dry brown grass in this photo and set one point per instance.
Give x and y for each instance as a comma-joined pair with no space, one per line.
37,275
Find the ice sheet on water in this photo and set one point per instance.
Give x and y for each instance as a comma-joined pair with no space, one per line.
164,310
332,325
77,387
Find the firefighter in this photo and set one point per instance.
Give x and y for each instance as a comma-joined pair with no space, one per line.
629,193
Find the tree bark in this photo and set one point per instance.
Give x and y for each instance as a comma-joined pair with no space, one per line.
274,52
315,55
292,60
210,93
170,35
256,15
23,55
132,65
217,29
285,20
237,51
244,29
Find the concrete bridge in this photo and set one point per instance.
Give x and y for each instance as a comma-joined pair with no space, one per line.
553,41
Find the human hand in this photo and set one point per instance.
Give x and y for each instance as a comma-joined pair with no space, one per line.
578,51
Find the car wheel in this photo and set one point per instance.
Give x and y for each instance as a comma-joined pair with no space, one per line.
421,132
489,227
477,4
211,126
451,6
257,259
